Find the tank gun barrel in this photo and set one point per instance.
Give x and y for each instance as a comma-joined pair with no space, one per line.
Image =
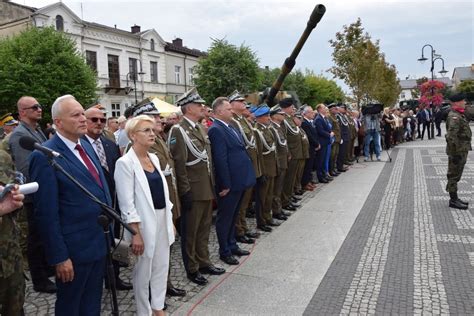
290,62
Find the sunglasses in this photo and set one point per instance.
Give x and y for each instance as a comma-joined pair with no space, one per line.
96,119
35,107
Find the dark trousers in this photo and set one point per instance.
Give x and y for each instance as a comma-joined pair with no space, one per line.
83,295
426,126
35,250
438,127
308,167
227,211
320,161
341,156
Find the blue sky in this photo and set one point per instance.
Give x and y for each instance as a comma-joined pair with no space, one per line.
272,27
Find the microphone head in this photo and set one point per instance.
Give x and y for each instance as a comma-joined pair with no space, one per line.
27,142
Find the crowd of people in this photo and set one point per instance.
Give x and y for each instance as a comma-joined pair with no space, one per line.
164,176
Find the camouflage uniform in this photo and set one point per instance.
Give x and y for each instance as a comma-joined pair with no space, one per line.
458,138
12,282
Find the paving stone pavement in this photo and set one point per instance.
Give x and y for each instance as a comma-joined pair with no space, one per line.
407,252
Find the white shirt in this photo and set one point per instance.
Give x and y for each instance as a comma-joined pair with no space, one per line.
72,146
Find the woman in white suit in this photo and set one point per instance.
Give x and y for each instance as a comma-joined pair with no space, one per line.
145,205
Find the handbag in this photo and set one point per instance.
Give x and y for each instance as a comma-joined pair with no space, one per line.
123,252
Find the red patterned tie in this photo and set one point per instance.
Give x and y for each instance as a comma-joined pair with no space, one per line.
89,164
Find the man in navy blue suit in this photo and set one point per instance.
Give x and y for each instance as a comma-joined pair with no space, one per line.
108,153
324,135
234,174
66,217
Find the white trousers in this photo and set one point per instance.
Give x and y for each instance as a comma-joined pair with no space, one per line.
152,273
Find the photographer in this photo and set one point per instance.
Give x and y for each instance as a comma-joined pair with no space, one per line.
371,123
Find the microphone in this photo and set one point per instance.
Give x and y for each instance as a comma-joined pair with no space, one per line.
29,143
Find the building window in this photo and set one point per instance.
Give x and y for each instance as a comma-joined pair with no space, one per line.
191,76
114,73
115,109
132,68
402,95
177,74
154,71
59,23
152,44
91,59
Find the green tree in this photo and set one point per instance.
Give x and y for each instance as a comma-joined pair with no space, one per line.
45,64
225,69
322,90
360,64
466,86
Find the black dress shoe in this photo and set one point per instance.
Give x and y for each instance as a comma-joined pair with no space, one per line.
287,214
333,174
264,228
289,207
240,252
296,198
121,285
341,170
252,234
273,223
197,278
457,204
230,260
463,202
245,240
329,178
46,286
280,217
323,180
172,291
212,270
295,202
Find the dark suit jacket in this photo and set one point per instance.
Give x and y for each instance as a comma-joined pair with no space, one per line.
232,164
312,134
66,217
323,130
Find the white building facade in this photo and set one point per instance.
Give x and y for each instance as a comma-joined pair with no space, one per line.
130,65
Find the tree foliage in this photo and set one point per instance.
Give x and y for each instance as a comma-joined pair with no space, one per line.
360,64
466,86
45,64
225,69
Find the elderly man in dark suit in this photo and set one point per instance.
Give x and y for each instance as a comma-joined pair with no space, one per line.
67,219
234,174
108,153
324,135
312,133
30,112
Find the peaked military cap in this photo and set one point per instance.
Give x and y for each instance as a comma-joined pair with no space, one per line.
457,97
286,103
262,110
148,108
191,96
276,109
7,119
235,96
330,106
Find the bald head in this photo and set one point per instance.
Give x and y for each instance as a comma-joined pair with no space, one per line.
29,110
95,122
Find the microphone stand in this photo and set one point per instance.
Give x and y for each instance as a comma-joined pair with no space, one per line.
104,219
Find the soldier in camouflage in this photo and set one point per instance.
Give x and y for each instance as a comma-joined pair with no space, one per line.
458,139
12,282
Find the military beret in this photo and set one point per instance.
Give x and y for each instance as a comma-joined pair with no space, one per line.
276,109
191,96
286,103
262,111
253,108
457,97
235,96
8,120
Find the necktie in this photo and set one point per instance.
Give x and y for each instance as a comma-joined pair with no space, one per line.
101,154
89,164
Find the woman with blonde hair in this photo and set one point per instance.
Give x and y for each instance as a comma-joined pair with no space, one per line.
144,202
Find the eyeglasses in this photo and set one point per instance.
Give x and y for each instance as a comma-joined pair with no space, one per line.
96,119
146,130
35,107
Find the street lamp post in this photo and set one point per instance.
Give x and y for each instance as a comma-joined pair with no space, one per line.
133,77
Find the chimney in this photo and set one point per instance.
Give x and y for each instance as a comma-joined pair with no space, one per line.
136,29
178,42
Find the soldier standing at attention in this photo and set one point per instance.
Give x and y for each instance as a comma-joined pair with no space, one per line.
12,282
191,152
458,139
238,105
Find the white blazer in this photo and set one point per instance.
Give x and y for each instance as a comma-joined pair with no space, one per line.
135,200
